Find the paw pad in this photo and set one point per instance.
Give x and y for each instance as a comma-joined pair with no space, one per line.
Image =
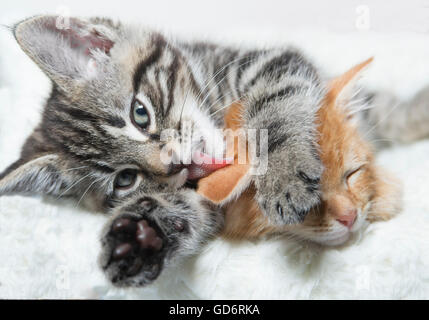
147,237
122,251
133,237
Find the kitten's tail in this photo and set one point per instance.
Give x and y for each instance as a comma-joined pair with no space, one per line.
391,120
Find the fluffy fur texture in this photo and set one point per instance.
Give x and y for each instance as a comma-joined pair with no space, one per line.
117,89
354,189
102,70
182,221
54,247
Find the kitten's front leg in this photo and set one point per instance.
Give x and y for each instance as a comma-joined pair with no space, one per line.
150,232
290,186
281,91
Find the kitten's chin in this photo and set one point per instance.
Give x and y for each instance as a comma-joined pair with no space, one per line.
333,238
337,241
342,236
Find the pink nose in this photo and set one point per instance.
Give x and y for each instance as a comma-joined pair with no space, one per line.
348,219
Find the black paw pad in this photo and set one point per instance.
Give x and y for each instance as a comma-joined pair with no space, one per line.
124,225
147,238
122,251
136,247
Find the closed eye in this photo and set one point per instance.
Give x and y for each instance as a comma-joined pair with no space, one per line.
351,175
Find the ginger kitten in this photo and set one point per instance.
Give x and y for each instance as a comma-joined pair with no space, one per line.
354,189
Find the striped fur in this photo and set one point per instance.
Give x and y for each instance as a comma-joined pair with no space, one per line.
87,139
86,120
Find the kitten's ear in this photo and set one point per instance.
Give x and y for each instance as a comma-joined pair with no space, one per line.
66,49
343,88
44,174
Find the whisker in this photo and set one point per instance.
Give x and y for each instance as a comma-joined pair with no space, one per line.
183,106
72,169
382,140
83,195
186,97
73,185
211,79
221,80
384,118
215,74
220,98
227,105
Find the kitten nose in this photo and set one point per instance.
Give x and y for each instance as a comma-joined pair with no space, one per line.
348,218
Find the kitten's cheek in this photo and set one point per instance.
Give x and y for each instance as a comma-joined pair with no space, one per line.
157,165
361,221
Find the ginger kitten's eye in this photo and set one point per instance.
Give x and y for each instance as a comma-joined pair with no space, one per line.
352,175
126,179
140,115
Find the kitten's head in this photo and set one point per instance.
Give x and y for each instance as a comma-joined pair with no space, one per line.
354,189
115,90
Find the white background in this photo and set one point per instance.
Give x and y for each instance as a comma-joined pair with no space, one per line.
212,17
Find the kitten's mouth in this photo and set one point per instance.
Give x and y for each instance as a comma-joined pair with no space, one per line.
343,236
201,166
204,164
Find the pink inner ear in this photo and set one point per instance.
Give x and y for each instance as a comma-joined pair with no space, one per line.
98,42
88,42
93,40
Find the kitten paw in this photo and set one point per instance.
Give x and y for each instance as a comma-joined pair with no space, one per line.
288,196
134,247
149,233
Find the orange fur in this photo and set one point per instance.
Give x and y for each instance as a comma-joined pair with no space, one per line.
219,185
341,149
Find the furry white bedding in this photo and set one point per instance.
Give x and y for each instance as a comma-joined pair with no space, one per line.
49,249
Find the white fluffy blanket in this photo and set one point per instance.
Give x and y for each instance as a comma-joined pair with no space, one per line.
49,250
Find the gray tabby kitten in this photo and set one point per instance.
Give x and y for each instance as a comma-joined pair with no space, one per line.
115,89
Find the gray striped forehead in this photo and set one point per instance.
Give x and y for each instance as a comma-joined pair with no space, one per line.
93,128
85,127
164,78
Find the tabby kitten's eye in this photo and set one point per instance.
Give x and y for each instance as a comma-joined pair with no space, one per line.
140,115
126,179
